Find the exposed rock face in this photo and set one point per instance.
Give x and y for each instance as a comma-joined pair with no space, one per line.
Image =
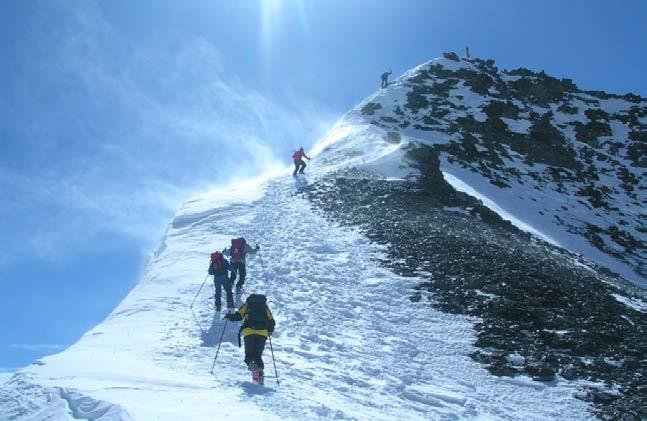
541,310
521,127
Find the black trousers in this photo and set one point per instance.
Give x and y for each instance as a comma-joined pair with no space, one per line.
299,166
254,346
218,285
238,267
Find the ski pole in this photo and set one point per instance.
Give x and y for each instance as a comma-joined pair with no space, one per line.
193,302
274,361
200,290
220,342
195,318
263,265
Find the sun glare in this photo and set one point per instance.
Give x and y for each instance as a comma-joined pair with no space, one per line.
275,13
270,15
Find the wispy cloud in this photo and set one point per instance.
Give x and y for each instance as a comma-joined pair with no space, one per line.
38,347
136,129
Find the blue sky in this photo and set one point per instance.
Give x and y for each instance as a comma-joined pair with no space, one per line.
113,113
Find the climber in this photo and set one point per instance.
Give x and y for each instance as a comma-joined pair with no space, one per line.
299,164
238,251
219,267
385,79
258,325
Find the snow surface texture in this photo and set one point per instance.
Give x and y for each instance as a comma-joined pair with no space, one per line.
348,343
563,164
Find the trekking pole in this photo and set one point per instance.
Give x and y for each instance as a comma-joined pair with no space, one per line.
200,290
193,302
263,265
220,342
276,373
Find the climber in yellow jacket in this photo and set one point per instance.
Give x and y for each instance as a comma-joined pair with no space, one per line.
258,324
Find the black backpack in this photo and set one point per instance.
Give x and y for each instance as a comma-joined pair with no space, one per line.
257,312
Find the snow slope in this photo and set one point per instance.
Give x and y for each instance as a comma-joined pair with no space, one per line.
348,343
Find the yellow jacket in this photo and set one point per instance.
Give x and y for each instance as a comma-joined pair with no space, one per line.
242,314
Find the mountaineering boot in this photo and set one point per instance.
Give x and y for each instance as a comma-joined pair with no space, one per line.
257,372
258,376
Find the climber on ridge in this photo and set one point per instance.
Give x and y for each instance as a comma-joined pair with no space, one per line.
238,251
258,325
385,78
299,164
219,267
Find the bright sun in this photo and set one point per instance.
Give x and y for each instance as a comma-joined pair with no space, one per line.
274,13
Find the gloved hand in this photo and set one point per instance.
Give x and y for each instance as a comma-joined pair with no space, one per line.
258,247
228,316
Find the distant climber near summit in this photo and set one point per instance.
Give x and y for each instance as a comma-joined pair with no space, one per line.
385,78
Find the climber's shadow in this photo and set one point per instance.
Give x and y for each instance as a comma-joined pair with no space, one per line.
253,389
212,335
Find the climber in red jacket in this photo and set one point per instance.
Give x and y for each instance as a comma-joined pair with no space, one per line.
299,164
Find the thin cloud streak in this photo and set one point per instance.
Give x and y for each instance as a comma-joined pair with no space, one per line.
38,347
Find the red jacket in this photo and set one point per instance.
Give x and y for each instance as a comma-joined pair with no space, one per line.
298,155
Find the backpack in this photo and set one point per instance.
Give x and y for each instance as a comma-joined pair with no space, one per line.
297,154
217,264
257,312
238,248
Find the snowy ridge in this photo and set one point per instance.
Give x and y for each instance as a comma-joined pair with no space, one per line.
567,165
342,349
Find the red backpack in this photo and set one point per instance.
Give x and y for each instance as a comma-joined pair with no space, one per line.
238,248
297,154
218,263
